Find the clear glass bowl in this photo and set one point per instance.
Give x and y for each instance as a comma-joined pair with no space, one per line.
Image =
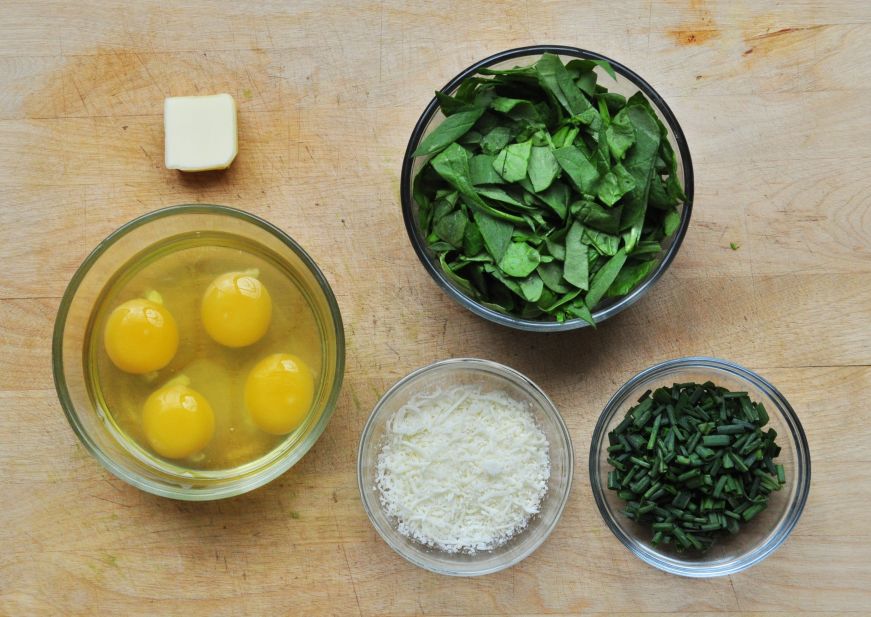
69,356
758,538
490,375
627,84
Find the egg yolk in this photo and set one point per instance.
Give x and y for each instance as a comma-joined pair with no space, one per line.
178,421
141,336
279,392
236,309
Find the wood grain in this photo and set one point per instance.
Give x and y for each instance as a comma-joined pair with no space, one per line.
773,99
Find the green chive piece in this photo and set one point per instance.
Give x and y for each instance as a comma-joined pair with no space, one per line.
752,511
718,489
654,432
716,440
694,462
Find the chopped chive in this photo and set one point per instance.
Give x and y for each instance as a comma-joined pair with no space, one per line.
640,485
781,474
694,462
752,511
613,482
640,462
731,429
617,464
653,488
654,432
646,508
762,414
692,473
716,440
718,489
681,537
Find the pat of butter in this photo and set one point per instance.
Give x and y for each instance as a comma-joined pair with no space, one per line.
200,132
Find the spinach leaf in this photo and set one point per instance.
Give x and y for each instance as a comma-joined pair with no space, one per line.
519,259
639,163
480,204
451,228
543,168
512,162
603,279
495,140
552,275
613,100
630,277
598,217
556,246
604,243
443,205
615,184
517,109
500,194
451,105
481,170
606,66
646,247
496,233
452,164
586,83
496,273
575,269
578,167
556,197
456,278
671,222
473,241
565,136
555,79
620,134
658,196
424,205
563,300
451,129
578,308
518,71
531,287
578,67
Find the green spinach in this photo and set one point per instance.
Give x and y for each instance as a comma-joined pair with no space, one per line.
545,194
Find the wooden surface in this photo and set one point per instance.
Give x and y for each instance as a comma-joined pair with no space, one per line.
774,99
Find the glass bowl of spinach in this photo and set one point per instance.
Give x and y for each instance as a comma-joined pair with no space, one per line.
700,467
547,188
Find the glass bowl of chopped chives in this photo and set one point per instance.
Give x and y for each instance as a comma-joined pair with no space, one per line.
464,467
546,188
700,467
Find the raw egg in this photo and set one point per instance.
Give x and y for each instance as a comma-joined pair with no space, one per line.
178,421
236,309
279,392
141,336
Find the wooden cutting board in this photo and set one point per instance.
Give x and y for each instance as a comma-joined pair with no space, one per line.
773,97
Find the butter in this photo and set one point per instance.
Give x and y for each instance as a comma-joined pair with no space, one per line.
200,132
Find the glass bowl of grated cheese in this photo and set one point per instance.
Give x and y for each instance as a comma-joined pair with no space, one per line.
464,467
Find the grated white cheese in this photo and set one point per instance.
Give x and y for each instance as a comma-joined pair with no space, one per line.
461,469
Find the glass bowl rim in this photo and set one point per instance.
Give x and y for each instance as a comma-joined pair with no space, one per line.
520,323
517,378
234,486
798,439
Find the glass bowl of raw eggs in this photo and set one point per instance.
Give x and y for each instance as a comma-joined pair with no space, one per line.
198,352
